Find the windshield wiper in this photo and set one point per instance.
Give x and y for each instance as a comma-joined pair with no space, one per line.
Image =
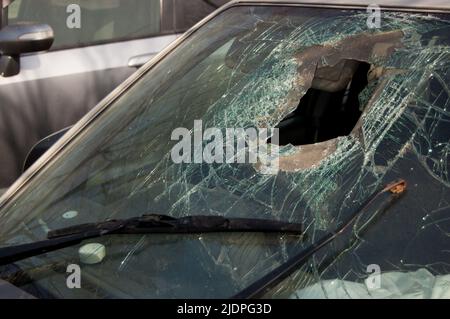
262,286
146,224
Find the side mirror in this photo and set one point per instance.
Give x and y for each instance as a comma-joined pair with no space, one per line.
22,38
41,147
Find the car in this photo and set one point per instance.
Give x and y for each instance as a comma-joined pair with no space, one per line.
97,45
278,149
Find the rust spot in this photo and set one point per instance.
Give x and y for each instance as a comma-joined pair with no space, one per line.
397,187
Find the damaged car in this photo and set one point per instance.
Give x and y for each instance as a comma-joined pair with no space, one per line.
354,99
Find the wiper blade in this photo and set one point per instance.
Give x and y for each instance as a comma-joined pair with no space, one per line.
262,286
146,224
155,223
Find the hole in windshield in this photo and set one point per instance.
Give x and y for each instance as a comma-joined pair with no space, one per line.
330,108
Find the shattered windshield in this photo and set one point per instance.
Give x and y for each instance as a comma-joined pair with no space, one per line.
353,106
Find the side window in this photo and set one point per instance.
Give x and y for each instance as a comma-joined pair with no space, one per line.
188,13
98,20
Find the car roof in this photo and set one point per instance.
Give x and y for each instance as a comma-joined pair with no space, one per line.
411,4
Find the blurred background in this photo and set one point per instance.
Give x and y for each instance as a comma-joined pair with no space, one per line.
97,45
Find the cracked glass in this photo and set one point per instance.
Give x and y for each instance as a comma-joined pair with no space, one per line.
249,67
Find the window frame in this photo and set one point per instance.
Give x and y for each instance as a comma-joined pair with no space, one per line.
177,13
166,14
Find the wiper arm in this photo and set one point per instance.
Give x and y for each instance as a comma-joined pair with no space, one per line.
146,224
262,286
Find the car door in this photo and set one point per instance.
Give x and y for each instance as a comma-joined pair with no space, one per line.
98,44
